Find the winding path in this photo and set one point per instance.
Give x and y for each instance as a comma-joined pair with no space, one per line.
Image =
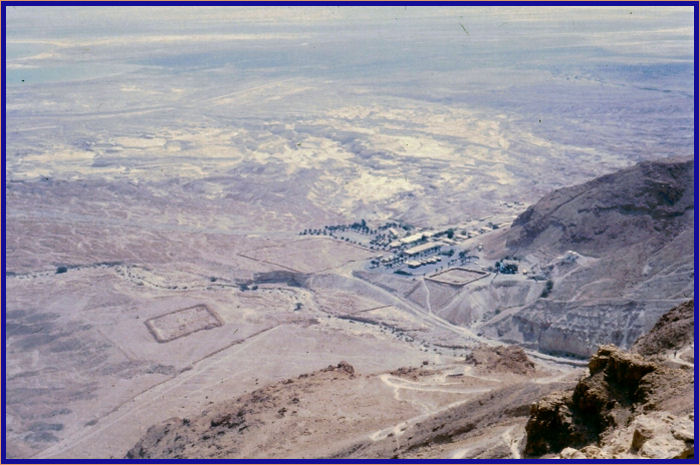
427,296
397,384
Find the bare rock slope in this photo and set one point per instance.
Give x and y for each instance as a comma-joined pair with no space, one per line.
609,212
616,253
412,412
673,332
269,422
630,406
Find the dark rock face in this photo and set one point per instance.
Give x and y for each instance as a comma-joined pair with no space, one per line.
160,434
671,332
552,427
609,212
603,400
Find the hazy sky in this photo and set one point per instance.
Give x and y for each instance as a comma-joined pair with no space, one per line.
350,40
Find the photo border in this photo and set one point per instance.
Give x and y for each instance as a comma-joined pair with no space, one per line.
5,4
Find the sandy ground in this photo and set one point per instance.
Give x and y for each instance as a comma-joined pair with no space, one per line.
96,377
167,187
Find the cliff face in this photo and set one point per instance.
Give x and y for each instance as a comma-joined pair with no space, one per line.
616,252
629,406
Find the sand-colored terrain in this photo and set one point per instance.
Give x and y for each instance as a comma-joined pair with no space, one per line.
170,187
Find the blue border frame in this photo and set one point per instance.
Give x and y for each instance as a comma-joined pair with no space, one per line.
695,245
5,4
4,214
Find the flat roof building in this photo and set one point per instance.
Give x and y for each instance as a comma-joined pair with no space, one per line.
412,238
422,248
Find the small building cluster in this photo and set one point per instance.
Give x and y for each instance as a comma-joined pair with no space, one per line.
411,248
423,248
425,261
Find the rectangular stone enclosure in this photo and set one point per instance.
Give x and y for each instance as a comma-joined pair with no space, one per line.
457,276
179,323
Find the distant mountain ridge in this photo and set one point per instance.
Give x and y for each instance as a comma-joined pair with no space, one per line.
609,212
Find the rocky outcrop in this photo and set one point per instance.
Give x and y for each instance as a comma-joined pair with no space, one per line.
343,367
671,333
600,401
630,406
657,435
509,359
552,425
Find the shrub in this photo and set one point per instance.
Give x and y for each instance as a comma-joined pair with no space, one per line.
547,289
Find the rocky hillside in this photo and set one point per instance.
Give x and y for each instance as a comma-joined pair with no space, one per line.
649,201
672,333
612,255
473,409
251,425
630,406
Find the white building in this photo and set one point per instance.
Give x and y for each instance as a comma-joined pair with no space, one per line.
412,238
413,263
422,248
